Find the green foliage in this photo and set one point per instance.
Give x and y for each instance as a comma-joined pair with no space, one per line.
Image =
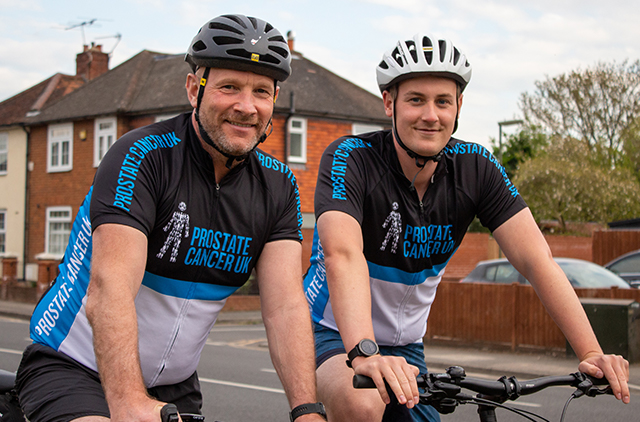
569,183
519,147
631,148
595,105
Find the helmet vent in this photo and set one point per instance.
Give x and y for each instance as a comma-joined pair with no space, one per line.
442,44
199,46
226,40
282,52
269,59
268,28
427,47
397,56
223,27
384,65
456,56
412,50
236,19
278,38
238,52
254,22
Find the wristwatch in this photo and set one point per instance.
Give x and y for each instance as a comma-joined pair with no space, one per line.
307,408
365,348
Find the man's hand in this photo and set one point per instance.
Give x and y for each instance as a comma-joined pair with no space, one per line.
400,376
143,410
615,368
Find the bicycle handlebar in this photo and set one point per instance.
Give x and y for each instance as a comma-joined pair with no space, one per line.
443,390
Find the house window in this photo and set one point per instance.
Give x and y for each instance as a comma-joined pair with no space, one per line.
60,148
297,140
58,229
359,128
104,137
4,152
3,231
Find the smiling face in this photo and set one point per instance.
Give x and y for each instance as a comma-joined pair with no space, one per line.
235,109
425,112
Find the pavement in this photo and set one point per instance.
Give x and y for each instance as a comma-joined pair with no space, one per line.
439,356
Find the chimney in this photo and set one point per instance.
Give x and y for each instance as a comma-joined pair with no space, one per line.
291,38
92,62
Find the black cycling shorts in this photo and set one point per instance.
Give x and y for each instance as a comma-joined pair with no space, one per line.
52,387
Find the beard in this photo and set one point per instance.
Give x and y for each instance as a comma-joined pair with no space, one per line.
214,129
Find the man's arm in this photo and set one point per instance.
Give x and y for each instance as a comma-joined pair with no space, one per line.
525,247
350,292
286,317
117,267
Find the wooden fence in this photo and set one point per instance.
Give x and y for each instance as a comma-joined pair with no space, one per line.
509,315
610,244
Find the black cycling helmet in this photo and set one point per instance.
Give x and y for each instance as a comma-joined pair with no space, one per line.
241,43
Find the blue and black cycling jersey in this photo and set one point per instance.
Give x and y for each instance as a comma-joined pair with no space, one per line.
408,240
204,239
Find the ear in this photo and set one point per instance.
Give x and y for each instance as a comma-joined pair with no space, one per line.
388,103
192,85
459,104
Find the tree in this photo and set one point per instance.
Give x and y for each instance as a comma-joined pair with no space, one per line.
566,183
631,147
519,147
595,105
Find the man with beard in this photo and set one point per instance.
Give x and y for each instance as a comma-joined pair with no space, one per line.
120,332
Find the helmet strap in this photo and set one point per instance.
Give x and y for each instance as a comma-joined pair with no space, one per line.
421,160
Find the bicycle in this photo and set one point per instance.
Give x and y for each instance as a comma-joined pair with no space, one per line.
443,391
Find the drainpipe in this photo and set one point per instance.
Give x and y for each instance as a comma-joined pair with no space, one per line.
292,110
25,241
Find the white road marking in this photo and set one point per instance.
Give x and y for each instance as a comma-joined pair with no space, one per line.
11,351
240,385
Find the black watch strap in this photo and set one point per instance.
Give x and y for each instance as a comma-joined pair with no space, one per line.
307,408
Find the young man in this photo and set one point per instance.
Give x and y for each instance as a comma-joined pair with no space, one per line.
392,207
179,215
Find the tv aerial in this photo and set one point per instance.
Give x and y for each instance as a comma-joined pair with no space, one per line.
81,25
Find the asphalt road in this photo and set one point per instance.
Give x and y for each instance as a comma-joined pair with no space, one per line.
239,383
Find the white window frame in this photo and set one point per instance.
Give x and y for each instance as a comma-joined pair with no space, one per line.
358,128
4,152
48,232
3,232
57,136
103,139
302,131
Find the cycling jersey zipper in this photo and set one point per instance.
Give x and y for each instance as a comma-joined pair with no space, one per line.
179,321
401,313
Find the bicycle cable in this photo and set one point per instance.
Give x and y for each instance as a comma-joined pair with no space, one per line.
520,412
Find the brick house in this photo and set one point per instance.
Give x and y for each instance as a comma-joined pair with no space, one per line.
15,133
68,138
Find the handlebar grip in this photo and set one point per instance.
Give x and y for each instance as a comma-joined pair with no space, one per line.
363,381
169,413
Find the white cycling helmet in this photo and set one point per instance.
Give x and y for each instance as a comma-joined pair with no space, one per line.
424,54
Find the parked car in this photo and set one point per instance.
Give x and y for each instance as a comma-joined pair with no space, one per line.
627,266
579,272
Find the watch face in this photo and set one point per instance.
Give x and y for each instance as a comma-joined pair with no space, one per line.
368,347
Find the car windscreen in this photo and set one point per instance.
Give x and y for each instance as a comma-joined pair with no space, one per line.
591,276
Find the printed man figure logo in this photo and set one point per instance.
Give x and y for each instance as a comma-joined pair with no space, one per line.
180,222
394,221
